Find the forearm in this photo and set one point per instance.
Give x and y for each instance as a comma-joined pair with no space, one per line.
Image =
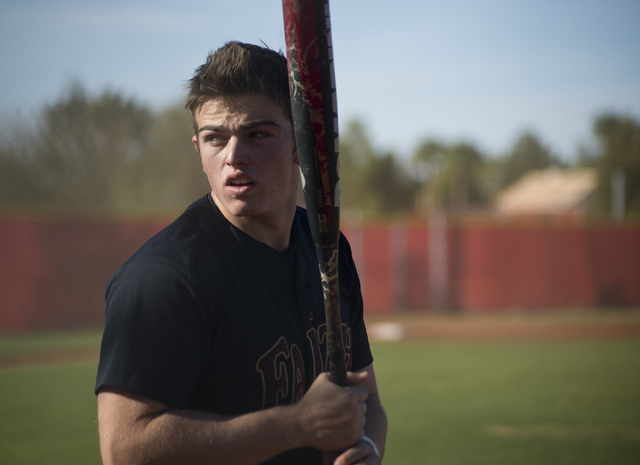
135,429
139,430
200,438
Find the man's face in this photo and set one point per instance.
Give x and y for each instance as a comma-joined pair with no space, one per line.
247,148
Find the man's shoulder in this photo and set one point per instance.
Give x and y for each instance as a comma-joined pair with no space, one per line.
204,214
178,243
198,221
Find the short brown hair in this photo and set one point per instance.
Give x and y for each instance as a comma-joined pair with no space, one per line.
235,69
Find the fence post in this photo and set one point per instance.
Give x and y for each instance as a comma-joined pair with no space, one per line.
438,261
399,268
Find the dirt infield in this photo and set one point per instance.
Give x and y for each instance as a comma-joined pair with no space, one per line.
48,358
540,325
514,326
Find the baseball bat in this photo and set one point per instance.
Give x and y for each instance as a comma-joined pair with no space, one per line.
315,121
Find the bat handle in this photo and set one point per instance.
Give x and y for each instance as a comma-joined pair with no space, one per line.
335,342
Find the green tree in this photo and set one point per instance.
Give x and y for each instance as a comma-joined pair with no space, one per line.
356,153
528,153
464,186
84,147
99,154
371,183
451,176
168,175
427,163
19,190
618,148
389,186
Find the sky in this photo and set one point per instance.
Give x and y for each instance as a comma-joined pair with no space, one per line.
479,71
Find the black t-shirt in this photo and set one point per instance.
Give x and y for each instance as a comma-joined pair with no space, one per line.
204,317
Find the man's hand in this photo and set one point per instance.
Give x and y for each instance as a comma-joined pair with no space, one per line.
332,418
363,452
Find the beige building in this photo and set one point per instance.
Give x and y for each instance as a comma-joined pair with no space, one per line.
551,191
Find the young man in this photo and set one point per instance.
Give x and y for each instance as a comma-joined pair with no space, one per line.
214,348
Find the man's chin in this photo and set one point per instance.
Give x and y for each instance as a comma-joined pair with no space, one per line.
238,210
232,207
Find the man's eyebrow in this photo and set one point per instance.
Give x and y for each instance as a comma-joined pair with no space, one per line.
243,127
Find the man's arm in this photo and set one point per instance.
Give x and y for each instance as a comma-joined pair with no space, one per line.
363,452
138,430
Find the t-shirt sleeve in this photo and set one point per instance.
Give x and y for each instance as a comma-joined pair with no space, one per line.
155,339
351,292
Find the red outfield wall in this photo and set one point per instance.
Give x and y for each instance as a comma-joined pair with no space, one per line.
488,268
53,273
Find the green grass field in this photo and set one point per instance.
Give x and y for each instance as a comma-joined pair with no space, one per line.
467,403
449,403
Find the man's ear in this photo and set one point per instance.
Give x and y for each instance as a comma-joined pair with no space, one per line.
194,139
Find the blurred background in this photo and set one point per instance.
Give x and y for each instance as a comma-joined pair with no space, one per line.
490,176
490,152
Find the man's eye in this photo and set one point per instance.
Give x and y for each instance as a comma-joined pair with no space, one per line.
258,134
214,139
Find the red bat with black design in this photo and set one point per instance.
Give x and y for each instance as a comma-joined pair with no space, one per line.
315,121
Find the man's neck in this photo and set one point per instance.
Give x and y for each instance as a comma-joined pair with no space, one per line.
274,232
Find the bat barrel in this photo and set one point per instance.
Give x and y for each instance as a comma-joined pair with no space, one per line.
315,120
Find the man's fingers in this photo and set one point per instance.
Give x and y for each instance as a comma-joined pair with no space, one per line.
355,378
328,457
357,454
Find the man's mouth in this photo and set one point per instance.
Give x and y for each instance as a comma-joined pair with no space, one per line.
240,182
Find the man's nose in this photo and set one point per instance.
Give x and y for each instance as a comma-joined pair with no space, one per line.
237,153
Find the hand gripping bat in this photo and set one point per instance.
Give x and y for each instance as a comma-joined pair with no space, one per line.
315,121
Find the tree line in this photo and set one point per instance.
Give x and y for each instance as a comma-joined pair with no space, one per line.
103,154
110,154
459,177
